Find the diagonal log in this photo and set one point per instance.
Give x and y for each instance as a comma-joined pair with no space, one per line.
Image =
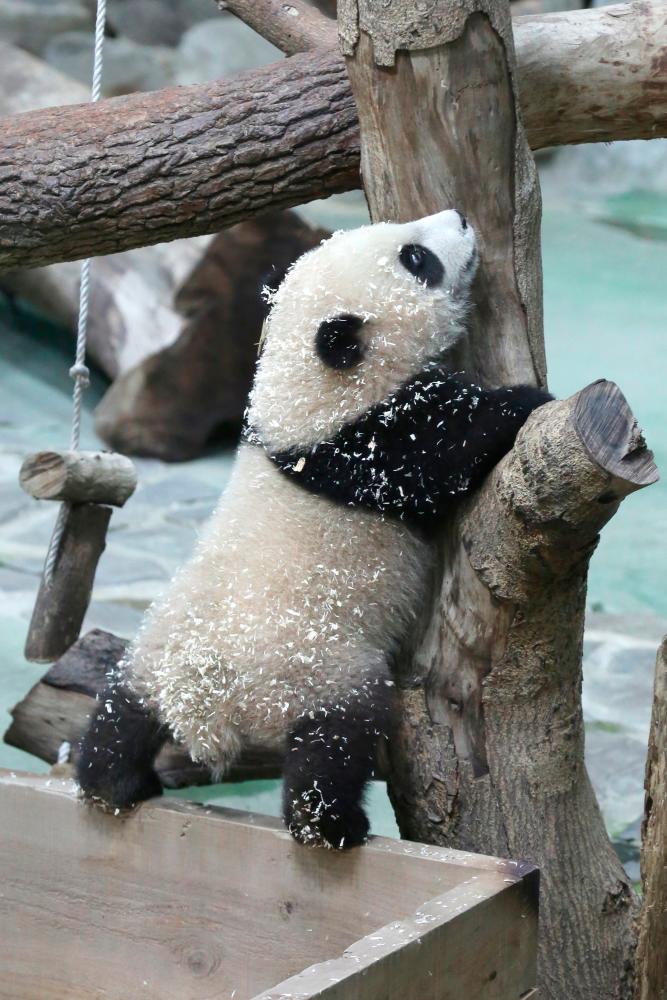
143,169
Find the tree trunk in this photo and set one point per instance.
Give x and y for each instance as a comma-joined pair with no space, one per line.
489,755
79,181
651,977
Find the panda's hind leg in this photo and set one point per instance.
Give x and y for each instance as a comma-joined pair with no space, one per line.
331,755
115,764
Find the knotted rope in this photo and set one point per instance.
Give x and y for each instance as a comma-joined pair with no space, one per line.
79,370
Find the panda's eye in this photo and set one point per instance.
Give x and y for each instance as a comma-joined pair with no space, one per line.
422,263
337,341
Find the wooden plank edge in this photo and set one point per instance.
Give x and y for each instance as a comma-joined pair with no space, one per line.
498,870
335,978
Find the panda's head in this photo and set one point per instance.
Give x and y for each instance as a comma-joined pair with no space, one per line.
356,317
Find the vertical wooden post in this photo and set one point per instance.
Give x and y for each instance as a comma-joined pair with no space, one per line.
651,978
489,756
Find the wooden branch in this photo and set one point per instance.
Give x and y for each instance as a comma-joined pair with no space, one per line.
79,476
293,27
594,75
57,709
651,971
79,181
62,603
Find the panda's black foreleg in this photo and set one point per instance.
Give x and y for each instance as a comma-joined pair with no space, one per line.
331,755
115,764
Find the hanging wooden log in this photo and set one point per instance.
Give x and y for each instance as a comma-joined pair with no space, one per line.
63,600
79,477
57,709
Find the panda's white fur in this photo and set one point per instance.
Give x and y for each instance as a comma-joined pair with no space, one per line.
292,601
295,398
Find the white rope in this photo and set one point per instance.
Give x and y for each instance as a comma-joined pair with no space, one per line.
79,370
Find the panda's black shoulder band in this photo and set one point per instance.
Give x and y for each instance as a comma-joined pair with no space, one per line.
412,455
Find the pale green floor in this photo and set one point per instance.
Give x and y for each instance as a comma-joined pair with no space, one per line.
605,316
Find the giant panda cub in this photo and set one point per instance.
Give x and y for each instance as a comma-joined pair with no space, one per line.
280,631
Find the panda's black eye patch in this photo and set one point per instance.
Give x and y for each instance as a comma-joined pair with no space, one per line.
422,263
337,341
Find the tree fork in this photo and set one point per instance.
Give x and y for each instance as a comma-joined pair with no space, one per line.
137,170
489,754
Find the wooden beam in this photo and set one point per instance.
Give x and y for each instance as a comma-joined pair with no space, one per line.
137,170
489,750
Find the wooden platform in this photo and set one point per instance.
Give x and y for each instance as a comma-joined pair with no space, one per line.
189,902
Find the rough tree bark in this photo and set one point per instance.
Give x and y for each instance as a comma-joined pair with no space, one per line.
651,979
490,751
153,167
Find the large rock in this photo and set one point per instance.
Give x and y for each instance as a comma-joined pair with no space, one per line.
33,23
171,404
128,66
156,22
221,47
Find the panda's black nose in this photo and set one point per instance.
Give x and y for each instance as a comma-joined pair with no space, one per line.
464,221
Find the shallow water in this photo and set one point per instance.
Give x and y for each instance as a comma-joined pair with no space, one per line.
605,317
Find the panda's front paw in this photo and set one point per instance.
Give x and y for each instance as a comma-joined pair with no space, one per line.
317,819
526,398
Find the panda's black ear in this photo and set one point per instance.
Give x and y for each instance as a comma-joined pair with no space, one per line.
337,341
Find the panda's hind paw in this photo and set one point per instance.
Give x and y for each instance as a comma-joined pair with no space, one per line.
119,792
315,823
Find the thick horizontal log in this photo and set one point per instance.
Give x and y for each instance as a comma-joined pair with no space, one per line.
80,181
132,313
79,476
137,170
56,710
